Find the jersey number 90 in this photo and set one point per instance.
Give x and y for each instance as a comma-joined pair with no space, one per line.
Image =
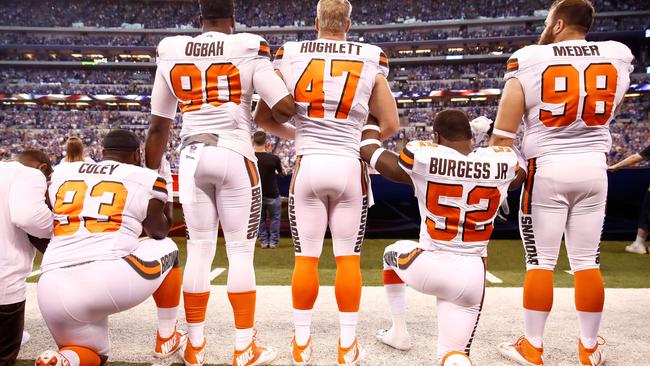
561,84
222,85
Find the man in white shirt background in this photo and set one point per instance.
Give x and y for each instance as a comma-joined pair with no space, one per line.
24,217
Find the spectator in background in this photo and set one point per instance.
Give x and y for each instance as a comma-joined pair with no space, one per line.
269,166
638,246
74,151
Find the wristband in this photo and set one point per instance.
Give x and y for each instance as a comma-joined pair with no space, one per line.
503,133
367,142
371,127
375,157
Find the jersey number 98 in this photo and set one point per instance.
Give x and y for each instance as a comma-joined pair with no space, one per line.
561,85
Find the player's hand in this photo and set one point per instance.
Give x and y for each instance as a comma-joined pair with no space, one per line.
480,127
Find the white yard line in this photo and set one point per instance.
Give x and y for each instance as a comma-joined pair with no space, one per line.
492,278
569,272
216,272
35,273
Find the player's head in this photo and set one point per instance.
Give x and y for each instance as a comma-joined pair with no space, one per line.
122,146
333,17
451,127
36,159
74,149
259,138
217,14
567,18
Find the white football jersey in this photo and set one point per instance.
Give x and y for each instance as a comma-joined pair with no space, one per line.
331,82
212,77
572,90
458,195
98,211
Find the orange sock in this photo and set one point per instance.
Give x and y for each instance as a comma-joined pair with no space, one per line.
196,305
589,291
304,283
243,307
347,286
87,357
168,295
538,290
391,278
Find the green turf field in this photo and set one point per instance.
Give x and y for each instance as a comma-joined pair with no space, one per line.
274,266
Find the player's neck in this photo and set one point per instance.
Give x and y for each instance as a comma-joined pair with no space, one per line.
332,36
215,28
463,147
260,149
570,36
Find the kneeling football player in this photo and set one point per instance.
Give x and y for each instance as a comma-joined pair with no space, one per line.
95,264
459,189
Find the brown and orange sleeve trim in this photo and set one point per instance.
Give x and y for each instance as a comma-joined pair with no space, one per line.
160,185
512,65
265,50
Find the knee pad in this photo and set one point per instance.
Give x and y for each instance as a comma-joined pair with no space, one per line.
456,358
198,265
241,273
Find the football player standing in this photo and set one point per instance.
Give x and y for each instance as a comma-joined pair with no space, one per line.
212,77
567,91
336,84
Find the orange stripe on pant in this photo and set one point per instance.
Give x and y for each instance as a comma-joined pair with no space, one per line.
589,291
304,283
243,308
295,174
538,290
526,198
391,278
347,286
196,303
168,295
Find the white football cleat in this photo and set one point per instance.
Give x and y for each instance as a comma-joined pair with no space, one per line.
522,352
51,358
400,340
636,248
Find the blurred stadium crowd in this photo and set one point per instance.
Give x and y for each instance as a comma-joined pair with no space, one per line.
46,125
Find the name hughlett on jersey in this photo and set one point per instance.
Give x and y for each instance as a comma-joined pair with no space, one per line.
331,47
199,49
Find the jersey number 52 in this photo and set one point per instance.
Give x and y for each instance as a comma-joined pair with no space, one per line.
562,84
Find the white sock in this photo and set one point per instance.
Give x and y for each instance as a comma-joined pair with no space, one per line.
348,323
195,333
534,322
71,356
640,240
302,325
589,325
167,321
243,337
396,297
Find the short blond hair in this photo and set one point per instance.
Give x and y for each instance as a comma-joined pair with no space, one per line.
333,15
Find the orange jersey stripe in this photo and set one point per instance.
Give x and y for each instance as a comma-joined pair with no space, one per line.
405,158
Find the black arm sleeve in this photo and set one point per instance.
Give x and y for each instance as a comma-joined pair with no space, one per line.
646,153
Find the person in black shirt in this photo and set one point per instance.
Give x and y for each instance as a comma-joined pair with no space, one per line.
269,166
638,246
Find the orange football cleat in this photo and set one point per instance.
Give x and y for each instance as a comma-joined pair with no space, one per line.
193,356
593,356
350,356
301,354
522,352
166,347
254,355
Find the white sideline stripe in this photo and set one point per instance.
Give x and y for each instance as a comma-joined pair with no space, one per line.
35,273
569,272
216,272
492,278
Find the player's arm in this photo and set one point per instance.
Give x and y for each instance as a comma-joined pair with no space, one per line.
27,208
520,178
511,111
269,85
156,224
265,117
163,112
384,161
383,108
632,159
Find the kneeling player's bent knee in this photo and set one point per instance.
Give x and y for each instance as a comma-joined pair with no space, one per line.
400,254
